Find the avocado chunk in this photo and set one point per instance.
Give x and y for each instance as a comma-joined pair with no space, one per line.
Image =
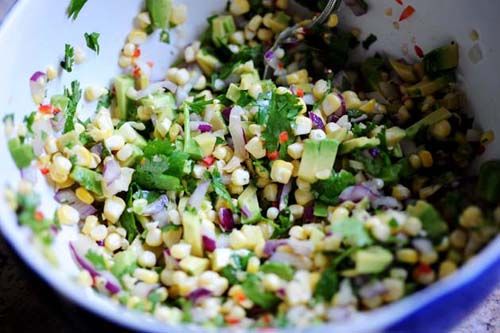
372,260
429,87
249,205
59,102
441,59
125,262
307,167
233,93
284,271
159,11
206,142
123,104
404,71
432,222
191,223
358,143
87,178
222,27
163,104
327,153
489,181
248,79
22,154
207,62
428,120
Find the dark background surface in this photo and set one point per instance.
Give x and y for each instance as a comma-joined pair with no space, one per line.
28,305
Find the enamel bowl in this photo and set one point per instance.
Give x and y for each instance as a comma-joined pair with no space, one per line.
34,34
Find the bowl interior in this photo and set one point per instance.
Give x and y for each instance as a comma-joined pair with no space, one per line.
36,31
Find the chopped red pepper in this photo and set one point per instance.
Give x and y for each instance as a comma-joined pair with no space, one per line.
423,269
407,12
44,171
283,137
272,155
300,92
46,109
137,53
136,72
400,2
208,161
231,320
419,51
38,215
280,65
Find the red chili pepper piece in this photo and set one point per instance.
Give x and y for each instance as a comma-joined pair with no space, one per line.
38,216
44,171
136,72
283,137
419,51
300,92
46,109
272,155
208,161
137,53
407,12
400,2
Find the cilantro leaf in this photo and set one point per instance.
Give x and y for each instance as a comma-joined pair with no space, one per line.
74,94
150,174
282,111
353,231
252,287
127,219
177,162
328,190
74,8
381,166
96,260
284,271
104,101
198,104
327,285
158,147
28,120
284,224
92,41
69,58
221,191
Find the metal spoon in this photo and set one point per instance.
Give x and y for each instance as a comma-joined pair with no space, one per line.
291,31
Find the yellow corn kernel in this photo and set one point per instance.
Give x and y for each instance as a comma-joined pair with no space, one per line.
487,137
301,76
65,184
67,215
84,196
369,107
441,130
471,217
447,268
333,21
408,256
426,158
146,275
253,265
351,100
415,161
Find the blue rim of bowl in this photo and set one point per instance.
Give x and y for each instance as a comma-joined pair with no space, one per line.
375,320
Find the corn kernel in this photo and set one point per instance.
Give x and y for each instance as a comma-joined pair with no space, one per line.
153,237
255,23
333,21
317,135
272,282
400,192
264,34
137,37
113,208
271,192
113,242
303,197
298,232
256,148
331,104
447,268
146,259
90,222
351,100
471,217
272,213
253,265
303,125
99,232
299,77
415,161
426,158
409,256
83,195
441,130
180,250
51,72
67,215
281,171
239,7
114,142
320,88
296,210
146,275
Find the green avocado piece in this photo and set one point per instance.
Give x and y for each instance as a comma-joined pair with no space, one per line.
222,27
125,262
190,146
163,104
249,205
432,222
429,87
123,104
87,178
372,260
429,120
191,223
403,70
284,271
441,59
327,152
233,93
207,62
310,156
358,143
159,11
489,181
22,154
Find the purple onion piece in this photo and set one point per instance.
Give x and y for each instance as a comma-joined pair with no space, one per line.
97,149
308,215
208,243
271,245
204,127
285,191
374,152
357,193
198,195
65,196
269,55
198,294
226,220
82,262
386,202
226,113
156,206
36,76
111,171
83,209
246,211
316,120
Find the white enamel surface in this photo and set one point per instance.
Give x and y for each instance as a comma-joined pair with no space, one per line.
34,35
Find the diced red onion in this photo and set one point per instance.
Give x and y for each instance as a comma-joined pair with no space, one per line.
237,134
246,211
111,171
198,294
38,82
357,193
226,112
205,128
386,202
303,247
198,195
156,206
83,263
84,209
97,149
308,215
316,120
209,243
29,173
66,196
268,55
358,7
226,220
271,245
374,152
297,261
285,191
372,289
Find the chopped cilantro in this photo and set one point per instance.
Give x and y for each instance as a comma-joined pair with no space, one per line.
283,225
104,101
157,147
165,36
74,8
220,189
353,231
284,271
381,166
329,280
198,104
328,190
96,260
92,41
252,287
127,219
28,120
74,94
151,174
69,58
278,117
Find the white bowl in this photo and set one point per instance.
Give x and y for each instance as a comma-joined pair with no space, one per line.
34,34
